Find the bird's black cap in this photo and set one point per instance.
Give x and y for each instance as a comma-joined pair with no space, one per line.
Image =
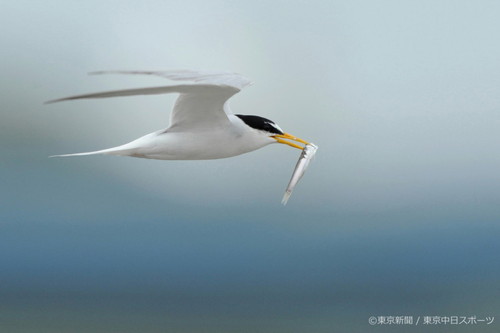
260,123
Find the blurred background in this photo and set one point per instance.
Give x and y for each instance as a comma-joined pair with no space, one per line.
397,215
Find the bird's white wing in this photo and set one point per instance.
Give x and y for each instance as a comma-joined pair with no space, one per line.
235,80
198,107
183,89
184,112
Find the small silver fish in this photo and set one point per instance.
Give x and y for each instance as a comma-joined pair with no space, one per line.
305,157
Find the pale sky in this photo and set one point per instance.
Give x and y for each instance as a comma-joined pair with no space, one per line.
401,97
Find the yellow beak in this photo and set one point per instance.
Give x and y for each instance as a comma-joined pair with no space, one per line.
287,136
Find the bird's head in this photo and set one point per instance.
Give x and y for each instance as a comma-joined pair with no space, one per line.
271,129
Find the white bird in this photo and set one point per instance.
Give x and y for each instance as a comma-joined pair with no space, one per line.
201,123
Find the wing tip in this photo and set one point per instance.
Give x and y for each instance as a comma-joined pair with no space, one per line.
119,72
52,101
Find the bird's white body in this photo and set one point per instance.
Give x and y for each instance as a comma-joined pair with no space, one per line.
226,141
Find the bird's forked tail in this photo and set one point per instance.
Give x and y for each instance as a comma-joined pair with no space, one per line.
124,150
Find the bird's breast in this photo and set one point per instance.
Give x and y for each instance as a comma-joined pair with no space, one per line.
213,144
